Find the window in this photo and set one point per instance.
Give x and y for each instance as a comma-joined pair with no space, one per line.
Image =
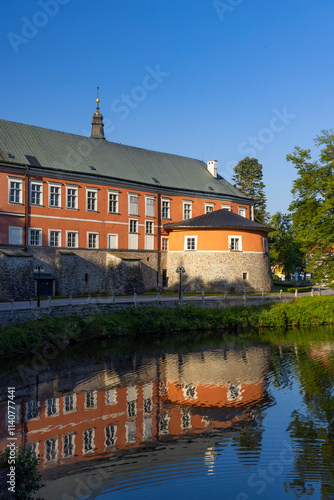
164,423
165,209
242,211
52,407
226,207
35,237
36,193
234,243
92,240
72,197
33,409
111,438
68,445
265,245
133,204
113,241
149,227
88,440
91,199
209,207
187,210
70,403
190,243
51,449
130,431
90,399
149,207
54,195
245,276
164,243
33,448
234,392
133,228
185,419
148,405
113,203
55,238
15,190
15,235
148,428
111,396
132,408
72,239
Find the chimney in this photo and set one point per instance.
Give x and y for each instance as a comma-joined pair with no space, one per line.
212,167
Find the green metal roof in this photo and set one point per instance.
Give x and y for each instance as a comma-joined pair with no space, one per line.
44,148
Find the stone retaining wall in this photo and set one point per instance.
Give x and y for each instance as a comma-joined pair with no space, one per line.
8,318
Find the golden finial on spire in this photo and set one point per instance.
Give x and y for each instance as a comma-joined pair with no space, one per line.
98,95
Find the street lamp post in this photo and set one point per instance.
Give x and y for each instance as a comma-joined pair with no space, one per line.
180,270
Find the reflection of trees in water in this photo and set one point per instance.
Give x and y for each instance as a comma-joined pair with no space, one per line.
312,433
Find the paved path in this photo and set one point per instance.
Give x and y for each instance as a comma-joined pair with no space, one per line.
25,304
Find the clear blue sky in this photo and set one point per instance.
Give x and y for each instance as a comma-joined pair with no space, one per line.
206,79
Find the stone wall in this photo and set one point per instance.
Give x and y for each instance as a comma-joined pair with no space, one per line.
220,271
16,271
80,271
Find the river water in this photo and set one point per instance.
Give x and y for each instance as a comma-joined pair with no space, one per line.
238,418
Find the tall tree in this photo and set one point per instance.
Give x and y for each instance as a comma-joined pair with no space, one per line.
284,247
248,178
313,205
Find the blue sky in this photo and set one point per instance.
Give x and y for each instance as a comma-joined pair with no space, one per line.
217,79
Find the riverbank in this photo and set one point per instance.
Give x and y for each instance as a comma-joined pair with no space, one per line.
156,322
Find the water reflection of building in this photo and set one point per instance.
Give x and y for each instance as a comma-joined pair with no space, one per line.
160,398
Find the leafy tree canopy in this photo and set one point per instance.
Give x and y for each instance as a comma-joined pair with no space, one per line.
247,178
313,206
284,247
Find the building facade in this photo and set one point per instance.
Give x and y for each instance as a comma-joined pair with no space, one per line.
87,211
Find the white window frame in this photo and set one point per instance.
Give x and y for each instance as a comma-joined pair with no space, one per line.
37,183
55,402
41,236
235,236
137,226
21,234
186,239
91,394
53,440
165,200
111,192
91,190
74,396
242,209
55,185
184,203
113,234
148,207
149,223
90,233
132,204
60,238
91,432
19,188
76,189
209,205
226,207
164,239
72,436
77,239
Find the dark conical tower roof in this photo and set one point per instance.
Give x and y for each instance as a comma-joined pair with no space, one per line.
97,123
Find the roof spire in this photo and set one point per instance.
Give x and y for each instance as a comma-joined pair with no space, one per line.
97,123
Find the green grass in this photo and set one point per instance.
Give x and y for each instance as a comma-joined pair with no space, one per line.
157,323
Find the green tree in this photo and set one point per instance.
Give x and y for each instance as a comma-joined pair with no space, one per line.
313,205
248,178
284,247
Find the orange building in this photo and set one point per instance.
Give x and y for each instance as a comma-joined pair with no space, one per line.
104,204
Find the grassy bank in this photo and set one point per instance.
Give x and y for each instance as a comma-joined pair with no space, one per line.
155,323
